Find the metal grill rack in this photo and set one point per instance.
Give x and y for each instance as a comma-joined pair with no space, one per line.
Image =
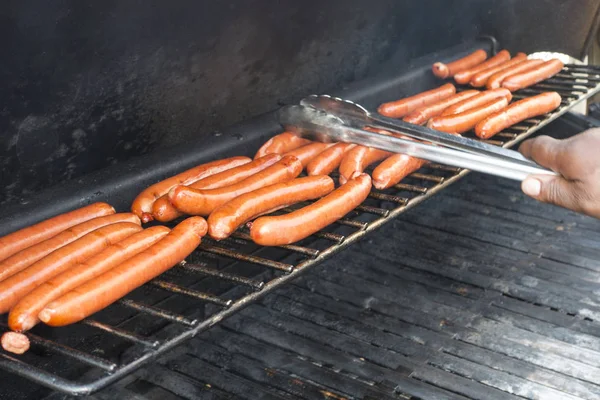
222,278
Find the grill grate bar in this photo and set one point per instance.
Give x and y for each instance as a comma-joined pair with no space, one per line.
391,206
444,167
335,237
567,83
157,312
78,355
171,287
411,188
388,197
507,135
254,284
133,337
426,177
373,210
590,69
494,142
351,223
247,258
563,90
291,247
578,78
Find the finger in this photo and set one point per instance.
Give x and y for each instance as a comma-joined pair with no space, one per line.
544,150
553,190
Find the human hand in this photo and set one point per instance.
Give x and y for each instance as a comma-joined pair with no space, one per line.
577,160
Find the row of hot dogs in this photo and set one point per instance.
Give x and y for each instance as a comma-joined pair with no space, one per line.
498,71
488,112
237,190
68,267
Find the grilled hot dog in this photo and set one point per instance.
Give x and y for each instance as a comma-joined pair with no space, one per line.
24,315
495,81
109,287
280,144
163,210
299,224
23,259
478,100
142,205
464,77
517,112
480,78
326,162
395,168
532,76
465,121
227,218
307,153
26,237
402,107
359,158
423,114
203,202
444,71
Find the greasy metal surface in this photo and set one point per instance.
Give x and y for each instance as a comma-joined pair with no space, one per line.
209,301
85,87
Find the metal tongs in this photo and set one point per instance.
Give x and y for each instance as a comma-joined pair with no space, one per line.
330,119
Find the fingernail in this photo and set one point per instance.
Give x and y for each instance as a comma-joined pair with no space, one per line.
532,187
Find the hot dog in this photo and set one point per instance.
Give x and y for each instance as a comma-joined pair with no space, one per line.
142,205
227,218
307,153
326,162
26,237
359,158
395,168
12,289
478,100
464,77
203,202
480,78
444,71
532,76
517,112
14,342
495,81
465,121
109,287
280,144
402,107
24,315
299,224
163,210
423,114
21,260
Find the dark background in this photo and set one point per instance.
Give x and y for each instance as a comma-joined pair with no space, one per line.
90,84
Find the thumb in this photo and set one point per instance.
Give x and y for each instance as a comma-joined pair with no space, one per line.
552,189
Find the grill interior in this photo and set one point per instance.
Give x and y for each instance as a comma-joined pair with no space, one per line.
222,278
497,302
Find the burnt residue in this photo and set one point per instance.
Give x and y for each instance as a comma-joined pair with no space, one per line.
90,85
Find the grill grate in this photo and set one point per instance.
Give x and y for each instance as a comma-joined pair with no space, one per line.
220,279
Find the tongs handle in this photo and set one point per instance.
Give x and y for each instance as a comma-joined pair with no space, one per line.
313,123
480,163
